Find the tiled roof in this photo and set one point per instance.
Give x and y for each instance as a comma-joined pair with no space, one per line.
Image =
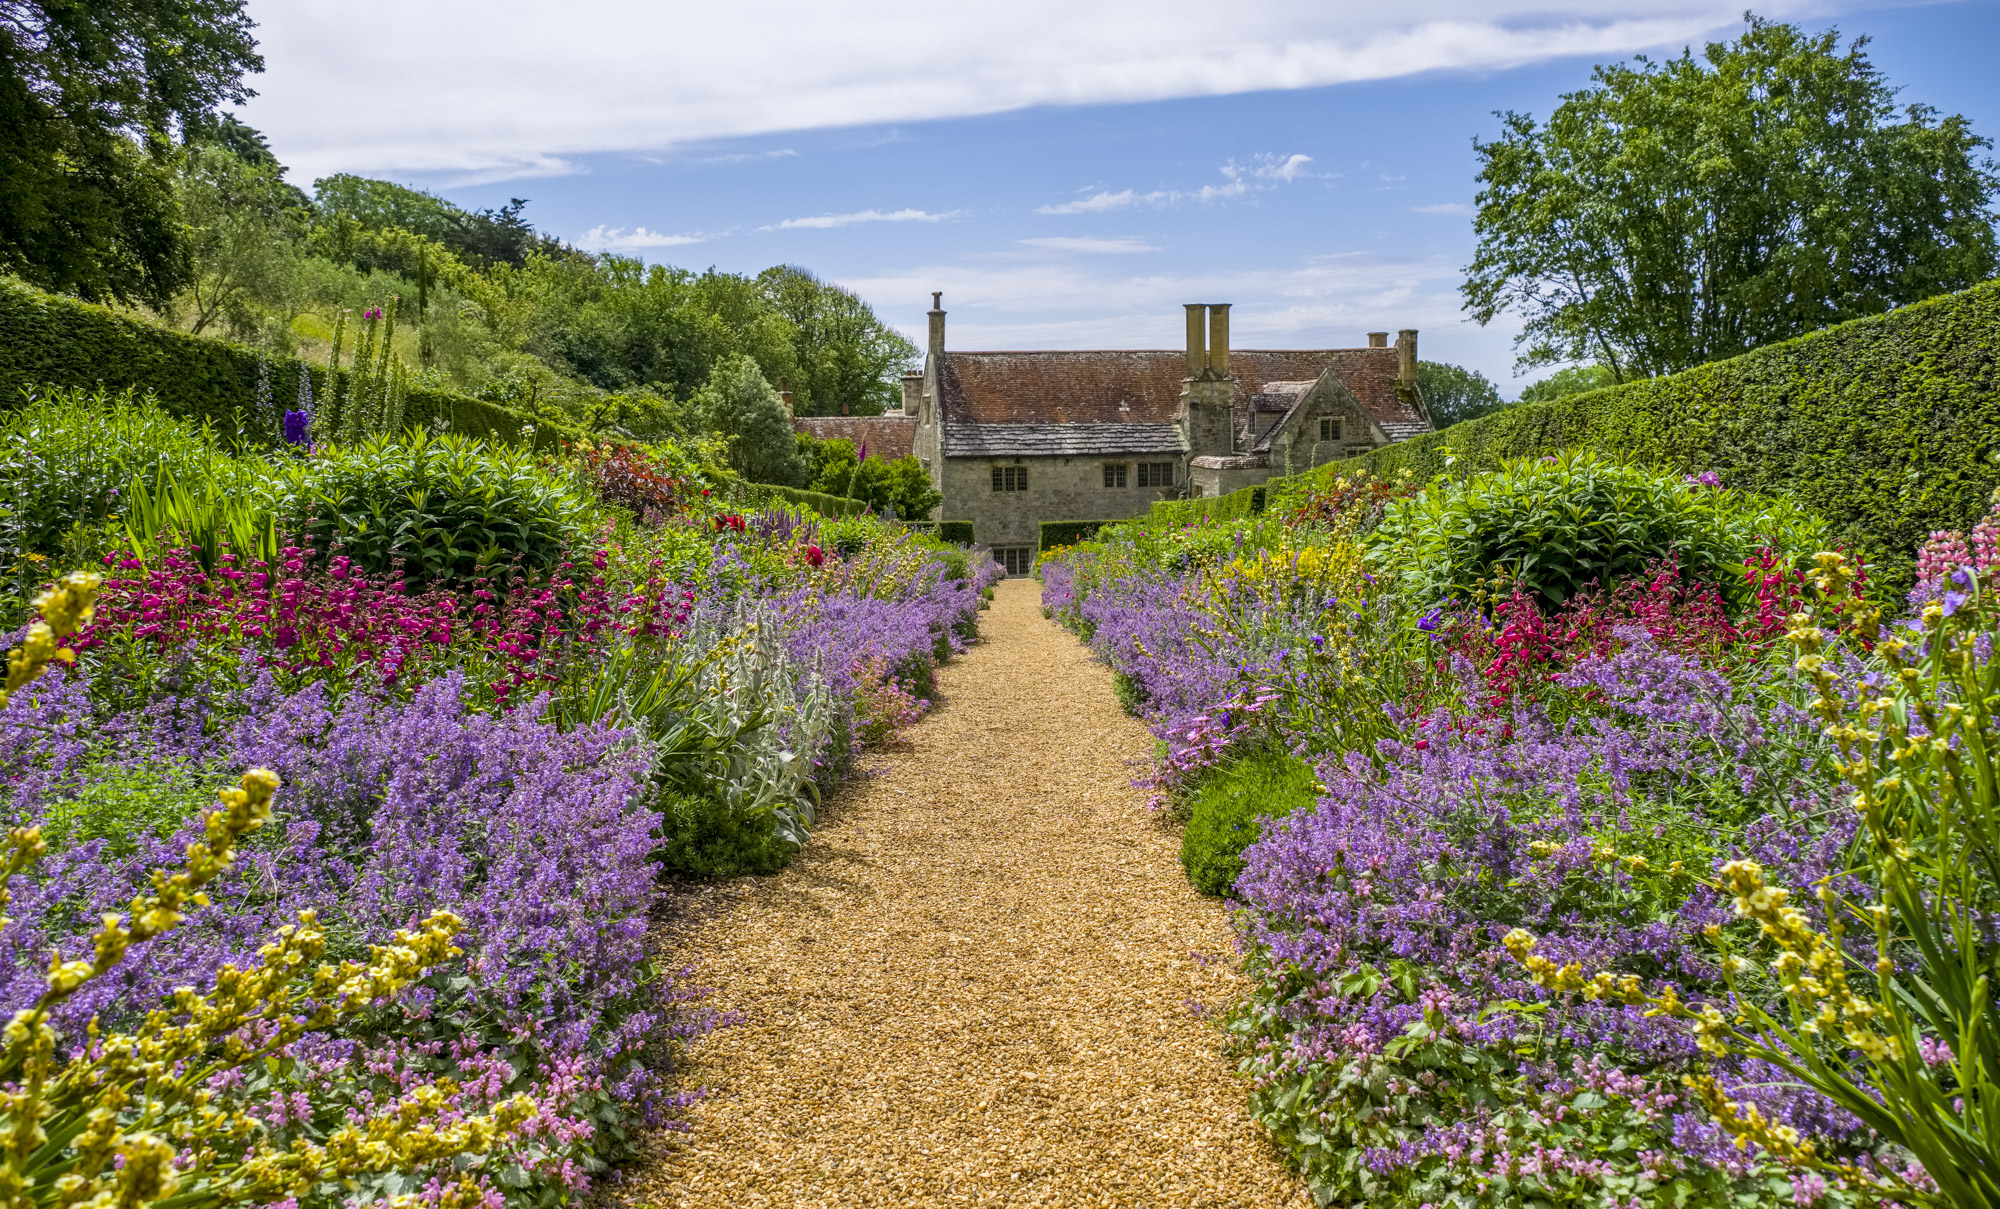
1057,440
1239,461
1144,387
890,436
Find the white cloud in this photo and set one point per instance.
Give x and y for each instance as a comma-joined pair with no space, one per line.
825,221
1089,243
1443,208
1281,168
618,239
1096,203
497,88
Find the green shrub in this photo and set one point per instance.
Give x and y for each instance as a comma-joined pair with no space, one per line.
1237,505
450,508
66,459
126,808
54,339
1057,534
958,533
1229,811
1561,523
1888,426
1130,693
703,837
818,501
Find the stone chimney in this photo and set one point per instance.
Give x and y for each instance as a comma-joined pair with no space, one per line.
1378,340
1406,358
785,397
937,324
1207,415
913,392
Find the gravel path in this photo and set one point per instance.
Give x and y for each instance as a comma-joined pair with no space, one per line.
980,984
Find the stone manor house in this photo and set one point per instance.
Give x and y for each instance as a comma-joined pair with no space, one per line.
1013,439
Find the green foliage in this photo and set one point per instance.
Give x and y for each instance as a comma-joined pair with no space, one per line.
1454,393
1888,427
1237,505
1057,534
1684,211
89,95
895,486
818,501
702,837
958,533
1572,380
125,807
740,405
847,359
1558,525
66,458
49,339
244,224
1229,812
222,503
450,508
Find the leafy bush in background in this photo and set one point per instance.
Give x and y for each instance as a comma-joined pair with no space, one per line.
1559,524
703,837
1230,810
449,509
67,457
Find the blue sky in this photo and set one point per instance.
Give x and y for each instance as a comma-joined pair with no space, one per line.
1066,174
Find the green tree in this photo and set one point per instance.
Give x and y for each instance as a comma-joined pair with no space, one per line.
849,361
1454,393
244,228
1684,211
89,95
1573,380
738,404
893,485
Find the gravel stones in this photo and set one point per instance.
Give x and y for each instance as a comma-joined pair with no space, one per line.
985,981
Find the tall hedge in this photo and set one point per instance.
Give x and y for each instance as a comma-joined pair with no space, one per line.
818,501
1057,534
1238,504
54,340
1889,426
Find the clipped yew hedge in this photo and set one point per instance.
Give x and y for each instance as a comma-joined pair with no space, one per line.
1057,534
1238,504
818,501
1888,426
54,340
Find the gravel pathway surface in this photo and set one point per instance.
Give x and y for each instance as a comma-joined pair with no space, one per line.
985,981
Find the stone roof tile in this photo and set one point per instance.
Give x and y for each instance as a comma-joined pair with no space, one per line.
1058,440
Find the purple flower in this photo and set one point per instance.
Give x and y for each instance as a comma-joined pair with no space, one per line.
297,423
1428,623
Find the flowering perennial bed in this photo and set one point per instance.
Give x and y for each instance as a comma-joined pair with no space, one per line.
1530,943
501,766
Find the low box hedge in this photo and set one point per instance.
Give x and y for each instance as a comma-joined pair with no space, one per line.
818,501
1057,534
1887,426
1237,505
958,533
55,340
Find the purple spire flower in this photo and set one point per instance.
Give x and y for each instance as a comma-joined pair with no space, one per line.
297,422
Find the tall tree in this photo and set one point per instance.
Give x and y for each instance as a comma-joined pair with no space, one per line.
739,405
848,360
91,92
1683,211
1454,393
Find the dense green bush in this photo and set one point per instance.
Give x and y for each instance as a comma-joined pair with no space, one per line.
1889,426
958,533
1229,810
1561,523
67,457
1237,505
1057,534
451,509
126,808
818,501
702,837
56,340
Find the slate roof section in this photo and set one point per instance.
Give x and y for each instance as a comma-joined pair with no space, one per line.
1144,386
1058,440
890,436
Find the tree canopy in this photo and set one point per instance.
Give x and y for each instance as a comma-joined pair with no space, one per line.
1454,393
91,95
1684,211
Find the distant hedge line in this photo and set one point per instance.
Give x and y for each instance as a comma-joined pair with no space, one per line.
818,501
1057,534
1244,502
53,340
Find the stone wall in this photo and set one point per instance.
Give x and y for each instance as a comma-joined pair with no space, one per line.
1059,489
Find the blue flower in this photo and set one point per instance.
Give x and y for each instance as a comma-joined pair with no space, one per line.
1429,622
297,422
1954,599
